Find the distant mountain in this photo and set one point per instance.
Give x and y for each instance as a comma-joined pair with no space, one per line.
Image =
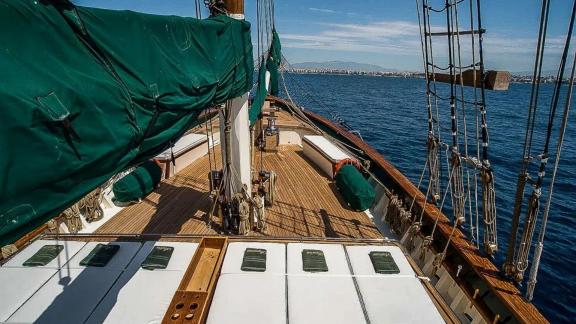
341,65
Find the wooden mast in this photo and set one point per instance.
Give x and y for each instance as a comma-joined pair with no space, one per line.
236,148
234,7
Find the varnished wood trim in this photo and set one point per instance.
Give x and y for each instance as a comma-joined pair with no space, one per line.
192,300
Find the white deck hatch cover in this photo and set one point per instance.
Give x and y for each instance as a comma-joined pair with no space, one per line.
391,298
322,297
328,148
19,284
143,296
182,145
74,291
247,296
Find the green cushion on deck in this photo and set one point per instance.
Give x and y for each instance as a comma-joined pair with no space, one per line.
158,258
254,260
43,256
383,262
138,183
355,189
100,255
314,261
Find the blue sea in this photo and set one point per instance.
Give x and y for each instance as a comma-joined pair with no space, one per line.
391,115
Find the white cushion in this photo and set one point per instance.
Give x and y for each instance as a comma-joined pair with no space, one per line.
185,142
328,148
70,249
143,296
140,296
68,297
397,300
19,284
275,257
323,299
391,298
255,298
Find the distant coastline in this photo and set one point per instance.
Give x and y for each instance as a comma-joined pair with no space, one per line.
399,74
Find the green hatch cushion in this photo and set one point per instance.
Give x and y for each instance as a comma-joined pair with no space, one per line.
355,189
158,258
138,183
100,255
314,261
44,255
254,260
383,262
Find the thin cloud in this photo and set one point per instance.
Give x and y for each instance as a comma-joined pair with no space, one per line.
322,10
403,37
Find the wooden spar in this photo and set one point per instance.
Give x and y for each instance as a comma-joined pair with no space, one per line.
234,7
493,80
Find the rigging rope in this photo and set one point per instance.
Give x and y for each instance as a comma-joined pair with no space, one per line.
463,177
540,244
526,158
521,257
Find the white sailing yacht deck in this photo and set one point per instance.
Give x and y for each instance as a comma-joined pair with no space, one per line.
122,291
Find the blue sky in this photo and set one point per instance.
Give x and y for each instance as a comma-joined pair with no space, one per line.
385,32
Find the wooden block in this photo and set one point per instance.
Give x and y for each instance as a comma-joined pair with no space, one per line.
494,80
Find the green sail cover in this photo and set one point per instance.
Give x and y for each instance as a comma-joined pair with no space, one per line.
259,97
355,189
271,65
86,93
274,61
137,183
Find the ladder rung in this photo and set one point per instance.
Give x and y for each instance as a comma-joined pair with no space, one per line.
464,32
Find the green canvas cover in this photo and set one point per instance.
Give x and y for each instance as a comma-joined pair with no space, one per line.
86,93
355,189
137,183
272,64
260,96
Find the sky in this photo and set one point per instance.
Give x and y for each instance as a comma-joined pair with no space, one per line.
386,32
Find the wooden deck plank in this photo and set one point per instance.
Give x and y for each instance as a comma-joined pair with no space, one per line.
181,204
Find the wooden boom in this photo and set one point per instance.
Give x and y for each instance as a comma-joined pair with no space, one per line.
493,80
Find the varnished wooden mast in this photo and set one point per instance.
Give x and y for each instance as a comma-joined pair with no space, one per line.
234,7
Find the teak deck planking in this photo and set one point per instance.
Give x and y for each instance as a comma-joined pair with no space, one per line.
181,204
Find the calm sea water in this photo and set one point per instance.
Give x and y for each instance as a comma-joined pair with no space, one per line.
390,113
